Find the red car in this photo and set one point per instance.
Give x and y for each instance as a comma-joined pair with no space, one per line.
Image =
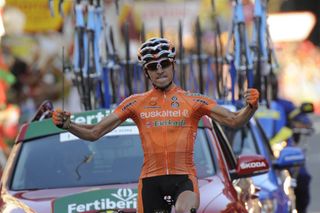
50,170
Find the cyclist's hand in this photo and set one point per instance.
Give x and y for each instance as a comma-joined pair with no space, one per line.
61,118
252,97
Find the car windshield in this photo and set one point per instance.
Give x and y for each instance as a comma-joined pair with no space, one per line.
242,140
62,160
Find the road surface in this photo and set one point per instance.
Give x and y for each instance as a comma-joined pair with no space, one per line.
313,165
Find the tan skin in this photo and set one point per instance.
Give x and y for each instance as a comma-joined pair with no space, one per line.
160,78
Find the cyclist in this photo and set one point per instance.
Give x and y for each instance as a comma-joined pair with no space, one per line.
167,118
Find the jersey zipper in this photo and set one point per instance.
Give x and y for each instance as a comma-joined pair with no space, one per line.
165,137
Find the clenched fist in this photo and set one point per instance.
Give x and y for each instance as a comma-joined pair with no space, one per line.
61,118
251,97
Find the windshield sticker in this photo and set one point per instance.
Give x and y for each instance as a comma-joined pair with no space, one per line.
106,199
121,130
92,117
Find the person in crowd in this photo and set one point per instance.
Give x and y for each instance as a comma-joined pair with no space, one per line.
303,176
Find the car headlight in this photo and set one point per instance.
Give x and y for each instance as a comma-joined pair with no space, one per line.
269,205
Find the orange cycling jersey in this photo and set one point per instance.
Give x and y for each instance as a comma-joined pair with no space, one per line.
167,123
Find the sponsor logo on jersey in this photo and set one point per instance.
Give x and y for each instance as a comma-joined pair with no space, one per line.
169,123
149,124
152,107
153,103
201,101
165,114
174,98
128,105
175,104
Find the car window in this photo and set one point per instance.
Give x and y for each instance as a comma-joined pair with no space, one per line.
228,153
202,156
242,140
52,162
265,139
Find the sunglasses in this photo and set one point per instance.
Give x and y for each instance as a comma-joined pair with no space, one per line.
154,66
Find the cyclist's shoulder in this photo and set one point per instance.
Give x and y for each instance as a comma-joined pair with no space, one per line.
136,98
196,98
138,95
132,101
190,94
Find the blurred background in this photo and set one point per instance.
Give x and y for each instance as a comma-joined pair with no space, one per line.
32,38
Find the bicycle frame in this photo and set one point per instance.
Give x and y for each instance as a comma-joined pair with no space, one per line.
220,82
80,61
94,30
86,57
128,64
259,50
263,54
241,56
193,83
112,68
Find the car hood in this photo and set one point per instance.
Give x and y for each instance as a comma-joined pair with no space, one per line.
48,199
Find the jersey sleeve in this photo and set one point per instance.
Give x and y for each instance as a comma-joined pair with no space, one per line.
204,105
126,108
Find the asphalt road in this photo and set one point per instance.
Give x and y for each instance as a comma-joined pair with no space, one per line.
312,145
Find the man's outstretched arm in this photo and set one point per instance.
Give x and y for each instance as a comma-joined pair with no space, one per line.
241,117
83,131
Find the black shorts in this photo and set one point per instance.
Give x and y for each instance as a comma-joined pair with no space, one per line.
157,191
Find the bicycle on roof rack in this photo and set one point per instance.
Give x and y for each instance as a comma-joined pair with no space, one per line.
90,75
262,50
94,32
239,58
220,78
199,77
80,60
128,63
